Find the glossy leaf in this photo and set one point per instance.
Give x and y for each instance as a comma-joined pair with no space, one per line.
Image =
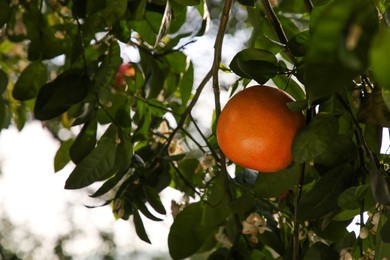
154,199
257,64
322,198
185,84
273,185
109,184
338,46
56,97
352,197
378,61
315,138
185,239
62,157
98,165
107,71
139,227
29,82
85,141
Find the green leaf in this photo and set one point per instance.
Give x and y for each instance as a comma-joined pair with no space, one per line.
274,184
341,36
153,198
379,62
124,151
299,43
185,84
340,150
139,227
84,142
29,82
257,64
315,138
107,71
54,98
289,85
322,198
385,232
3,81
5,114
352,197
109,184
187,233
62,157
98,165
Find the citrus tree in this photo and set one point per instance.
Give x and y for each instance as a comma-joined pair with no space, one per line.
133,131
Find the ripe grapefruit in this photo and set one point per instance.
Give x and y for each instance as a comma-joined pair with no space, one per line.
256,129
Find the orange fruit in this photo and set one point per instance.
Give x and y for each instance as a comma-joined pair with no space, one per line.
256,129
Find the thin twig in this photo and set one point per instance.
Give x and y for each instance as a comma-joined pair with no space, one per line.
193,139
212,151
215,70
274,20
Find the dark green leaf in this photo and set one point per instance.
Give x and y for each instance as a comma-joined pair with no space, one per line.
187,234
98,165
185,84
338,47
56,97
107,71
154,199
260,65
315,138
340,150
109,184
322,198
352,197
62,157
139,227
289,85
273,185
177,61
299,43
379,52
29,82
85,141
3,81
5,114
385,232
124,152
378,182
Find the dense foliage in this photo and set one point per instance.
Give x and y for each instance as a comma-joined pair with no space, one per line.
60,63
